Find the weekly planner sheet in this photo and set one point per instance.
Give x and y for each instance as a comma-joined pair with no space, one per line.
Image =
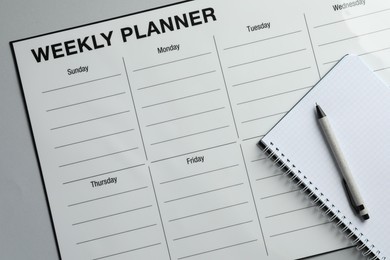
146,125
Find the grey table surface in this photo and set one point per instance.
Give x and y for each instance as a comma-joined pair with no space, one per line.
25,229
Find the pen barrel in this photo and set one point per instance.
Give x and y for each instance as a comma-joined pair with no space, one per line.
342,164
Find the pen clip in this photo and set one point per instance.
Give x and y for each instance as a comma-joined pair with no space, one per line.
349,195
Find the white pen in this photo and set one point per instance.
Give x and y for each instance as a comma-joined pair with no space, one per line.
348,180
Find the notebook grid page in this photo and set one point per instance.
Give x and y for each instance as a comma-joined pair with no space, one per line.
357,103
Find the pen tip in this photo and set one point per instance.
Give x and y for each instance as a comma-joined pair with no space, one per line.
320,112
366,216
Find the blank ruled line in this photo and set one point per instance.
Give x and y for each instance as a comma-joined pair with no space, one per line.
253,137
92,119
108,196
370,52
272,76
198,174
361,54
98,157
270,96
267,177
170,62
104,173
128,251
111,215
181,98
192,134
187,116
267,58
259,118
213,230
115,234
330,62
352,37
86,101
265,39
208,211
179,79
290,211
385,68
352,18
299,229
282,193
194,151
259,159
218,249
204,192
81,83
94,138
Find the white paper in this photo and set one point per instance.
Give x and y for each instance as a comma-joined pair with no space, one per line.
173,134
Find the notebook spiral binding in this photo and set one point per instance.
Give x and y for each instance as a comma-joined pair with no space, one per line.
323,203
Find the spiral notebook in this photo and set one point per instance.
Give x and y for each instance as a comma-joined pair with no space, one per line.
358,107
